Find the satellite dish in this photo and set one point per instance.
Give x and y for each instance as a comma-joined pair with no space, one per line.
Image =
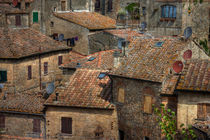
15,2
1,86
143,25
187,54
187,32
50,88
178,66
61,37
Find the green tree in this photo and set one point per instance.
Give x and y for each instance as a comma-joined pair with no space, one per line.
167,121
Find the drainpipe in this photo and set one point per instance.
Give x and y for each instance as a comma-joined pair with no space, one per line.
40,67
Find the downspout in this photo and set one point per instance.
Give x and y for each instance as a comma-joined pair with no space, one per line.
40,67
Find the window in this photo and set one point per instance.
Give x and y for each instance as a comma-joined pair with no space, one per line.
148,104
3,76
51,24
99,133
66,125
109,6
45,68
60,59
36,126
54,9
63,5
168,11
2,121
29,72
144,11
35,17
97,5
203,111
121,95
17,20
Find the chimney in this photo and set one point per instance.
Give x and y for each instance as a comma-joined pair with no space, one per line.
116,55
23,5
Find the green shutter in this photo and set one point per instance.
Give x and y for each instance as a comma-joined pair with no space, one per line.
35,17
3,76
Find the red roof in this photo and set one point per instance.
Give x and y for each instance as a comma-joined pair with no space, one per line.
85,89
195,76
90,20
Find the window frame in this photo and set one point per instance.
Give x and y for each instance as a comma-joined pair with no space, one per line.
168,12
64,125
4,79
36,125
29,68
45,68
60,60
37,20
2,121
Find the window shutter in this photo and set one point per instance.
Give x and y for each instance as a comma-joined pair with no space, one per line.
29,72
147,104
36,125
18,20
2,121
60,59
201,111
121,95
66,125
45,68
35,17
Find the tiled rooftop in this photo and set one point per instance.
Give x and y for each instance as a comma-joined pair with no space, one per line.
104,60
169,84
124,33
86,90
22,102
17,43
148,62
195,76
90,20
10,1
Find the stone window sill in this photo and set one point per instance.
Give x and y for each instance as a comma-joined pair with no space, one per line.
168,19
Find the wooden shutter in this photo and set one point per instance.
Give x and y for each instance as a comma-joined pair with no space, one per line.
29,72
60,59
45,68
147,104
66,125
201,111
36,125
109,5
2,121
17,20
35,17
121,95
63,5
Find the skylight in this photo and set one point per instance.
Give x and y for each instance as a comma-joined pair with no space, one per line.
91,58
159,44
101,75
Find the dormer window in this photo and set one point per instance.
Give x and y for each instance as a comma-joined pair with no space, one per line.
168,11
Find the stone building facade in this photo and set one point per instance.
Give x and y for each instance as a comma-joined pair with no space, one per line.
78,25
24,68
88,112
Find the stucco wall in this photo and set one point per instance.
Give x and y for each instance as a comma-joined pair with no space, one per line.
187,106
84,123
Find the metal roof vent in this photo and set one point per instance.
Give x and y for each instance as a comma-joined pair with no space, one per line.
91,58
78,65
101,75
159,44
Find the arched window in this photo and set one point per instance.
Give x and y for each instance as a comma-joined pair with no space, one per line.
168,11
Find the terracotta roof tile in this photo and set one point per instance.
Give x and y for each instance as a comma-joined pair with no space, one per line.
17,43
22,102
90,20
169,84
147,62
85,89
195,76
104,60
